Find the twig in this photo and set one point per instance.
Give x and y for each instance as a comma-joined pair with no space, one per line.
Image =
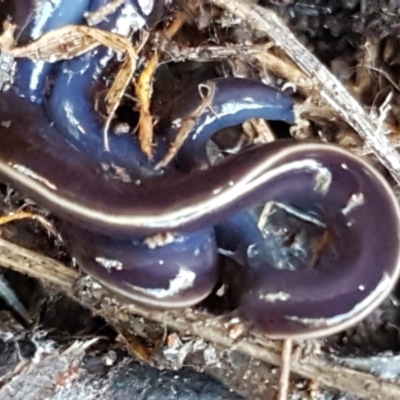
205,53
258,52
194,322
283,384
331,89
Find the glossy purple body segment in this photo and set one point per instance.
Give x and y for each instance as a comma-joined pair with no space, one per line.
314,229
45,16
77,87
179,273
70,107
239,233
353,251
77,188
225,102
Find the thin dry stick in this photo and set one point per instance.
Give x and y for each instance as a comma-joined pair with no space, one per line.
258,52
193,322
207,53
283,384
331,89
